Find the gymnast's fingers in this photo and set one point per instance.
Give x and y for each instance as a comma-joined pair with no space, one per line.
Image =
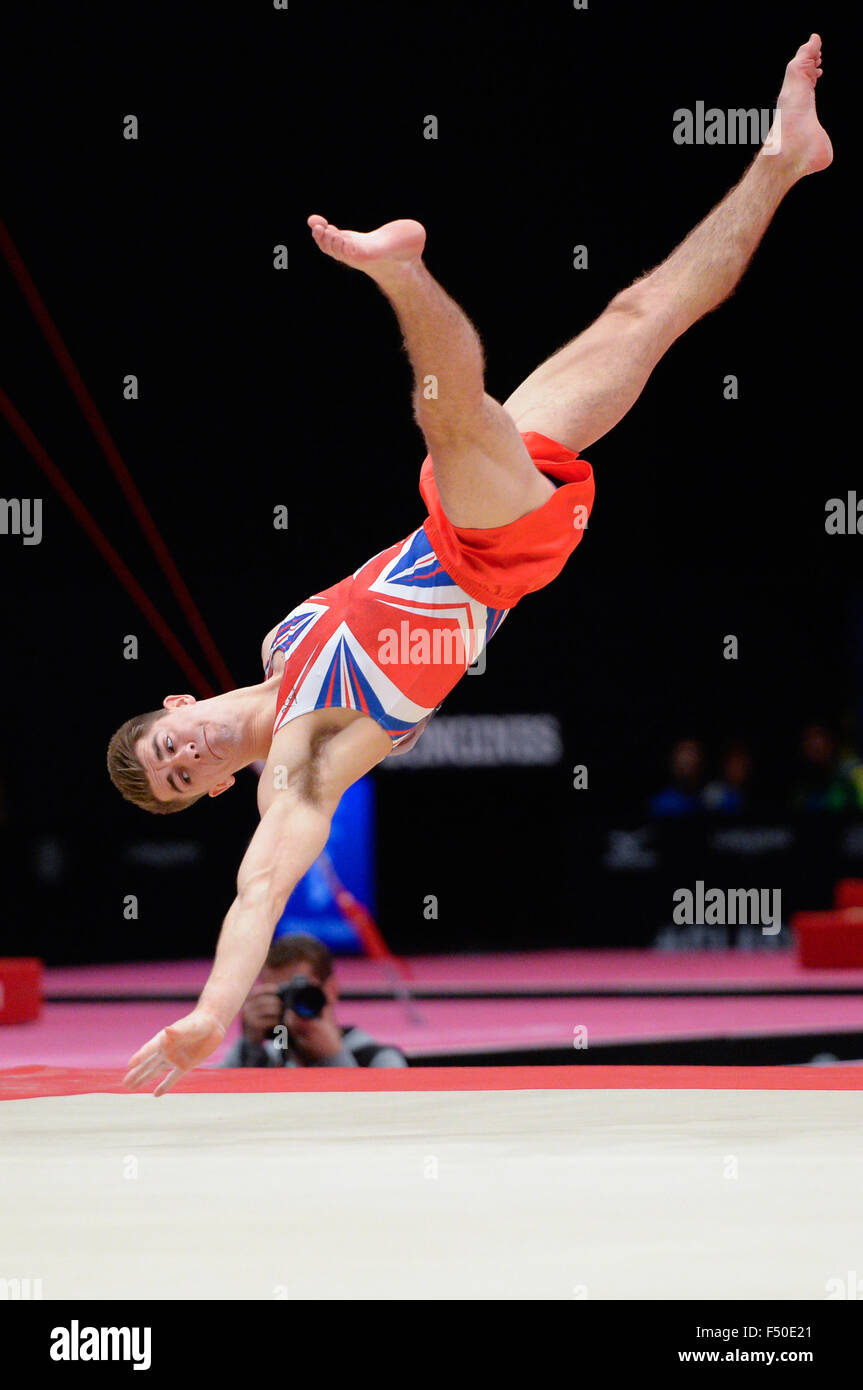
169,1081
156,1044
147,1067
134,1079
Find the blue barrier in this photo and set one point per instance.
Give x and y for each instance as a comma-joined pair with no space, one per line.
351,846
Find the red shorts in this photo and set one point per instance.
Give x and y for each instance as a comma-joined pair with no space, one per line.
498,565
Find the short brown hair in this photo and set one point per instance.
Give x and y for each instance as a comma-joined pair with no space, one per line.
127,773
296,946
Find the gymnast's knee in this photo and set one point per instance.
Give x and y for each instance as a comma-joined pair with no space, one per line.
445,419
639,301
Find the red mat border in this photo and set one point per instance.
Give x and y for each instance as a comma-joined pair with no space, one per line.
29,1083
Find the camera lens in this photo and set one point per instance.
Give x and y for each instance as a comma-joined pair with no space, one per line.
309,1002
303,998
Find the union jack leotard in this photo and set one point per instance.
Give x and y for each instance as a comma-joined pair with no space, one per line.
391,640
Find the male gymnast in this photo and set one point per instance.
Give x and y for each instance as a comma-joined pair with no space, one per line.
507,497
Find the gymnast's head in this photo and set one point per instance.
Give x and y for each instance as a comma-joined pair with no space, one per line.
168,759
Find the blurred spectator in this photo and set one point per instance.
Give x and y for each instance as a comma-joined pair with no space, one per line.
686,768
274,1036
730,794
822,783
850,766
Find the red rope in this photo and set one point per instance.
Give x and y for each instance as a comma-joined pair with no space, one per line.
358,915
103,545
109,448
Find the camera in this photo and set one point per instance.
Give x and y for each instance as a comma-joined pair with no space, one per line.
304,998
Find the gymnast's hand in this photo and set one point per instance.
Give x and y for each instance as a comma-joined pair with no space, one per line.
177,1049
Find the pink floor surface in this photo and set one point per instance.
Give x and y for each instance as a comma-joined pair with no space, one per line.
740,970
99,1035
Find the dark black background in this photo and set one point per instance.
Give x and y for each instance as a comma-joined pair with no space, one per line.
261,387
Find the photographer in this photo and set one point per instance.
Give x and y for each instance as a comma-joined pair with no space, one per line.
298,1028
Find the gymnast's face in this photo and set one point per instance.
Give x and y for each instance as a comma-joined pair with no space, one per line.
189,750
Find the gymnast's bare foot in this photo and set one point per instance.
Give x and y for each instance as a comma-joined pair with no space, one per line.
388,251
797,137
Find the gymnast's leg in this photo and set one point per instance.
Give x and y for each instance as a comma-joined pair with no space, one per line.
484,474
581,392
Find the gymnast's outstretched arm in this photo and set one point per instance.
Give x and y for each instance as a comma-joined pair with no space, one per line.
296,813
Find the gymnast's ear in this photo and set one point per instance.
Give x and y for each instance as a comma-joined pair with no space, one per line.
221,787
176,701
